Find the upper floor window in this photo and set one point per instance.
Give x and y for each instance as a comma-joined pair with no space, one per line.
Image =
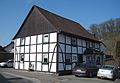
74,41
46,38
22,41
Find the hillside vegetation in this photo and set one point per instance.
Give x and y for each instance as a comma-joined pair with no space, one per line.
109,33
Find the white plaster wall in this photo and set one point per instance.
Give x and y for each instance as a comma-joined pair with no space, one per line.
62,47
39,48
27,49
79,42
68,49
80,50
50,57
27,41
17,50
45,67
18,42
33,39
33,65
33,48
39,57
45,48
52,46
84,43
39,39
16,65
53,67
32,57
60,58
26,57
15,57
53,37
68,40
21,65
61,38
68,67
26,65
22,49
38,66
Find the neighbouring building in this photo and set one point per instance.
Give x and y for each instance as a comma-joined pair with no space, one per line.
51,43
6,53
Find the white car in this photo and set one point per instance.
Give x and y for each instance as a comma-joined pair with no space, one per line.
9,63
108,71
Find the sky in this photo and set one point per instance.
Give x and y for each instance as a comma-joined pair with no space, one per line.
85,12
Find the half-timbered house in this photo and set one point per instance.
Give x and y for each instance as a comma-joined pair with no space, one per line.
51,43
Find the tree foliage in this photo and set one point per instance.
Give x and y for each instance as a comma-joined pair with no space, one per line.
109,33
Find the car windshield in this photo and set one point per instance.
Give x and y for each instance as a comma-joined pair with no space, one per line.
107,67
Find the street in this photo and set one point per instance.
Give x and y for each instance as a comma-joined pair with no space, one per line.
9,75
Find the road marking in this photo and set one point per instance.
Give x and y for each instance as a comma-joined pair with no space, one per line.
34,80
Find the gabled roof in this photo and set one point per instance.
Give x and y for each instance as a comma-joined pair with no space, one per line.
41,21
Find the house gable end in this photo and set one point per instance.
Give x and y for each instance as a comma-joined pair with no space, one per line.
34,24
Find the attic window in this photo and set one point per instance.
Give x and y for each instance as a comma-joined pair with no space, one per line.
46,38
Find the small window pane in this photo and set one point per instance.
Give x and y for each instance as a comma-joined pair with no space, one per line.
46,38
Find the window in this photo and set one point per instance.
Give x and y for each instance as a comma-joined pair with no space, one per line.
45,58
87,44
74,58
21,57
73,41
46,38
22,41
68,59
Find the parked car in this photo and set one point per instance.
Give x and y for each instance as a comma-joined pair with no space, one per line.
85,70
108,71
8,63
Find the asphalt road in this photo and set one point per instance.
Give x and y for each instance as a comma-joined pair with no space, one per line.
9,75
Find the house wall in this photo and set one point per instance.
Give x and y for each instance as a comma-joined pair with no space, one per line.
70,53
37,52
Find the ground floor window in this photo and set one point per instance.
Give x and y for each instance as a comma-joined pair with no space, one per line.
45,58
21,57
68,59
